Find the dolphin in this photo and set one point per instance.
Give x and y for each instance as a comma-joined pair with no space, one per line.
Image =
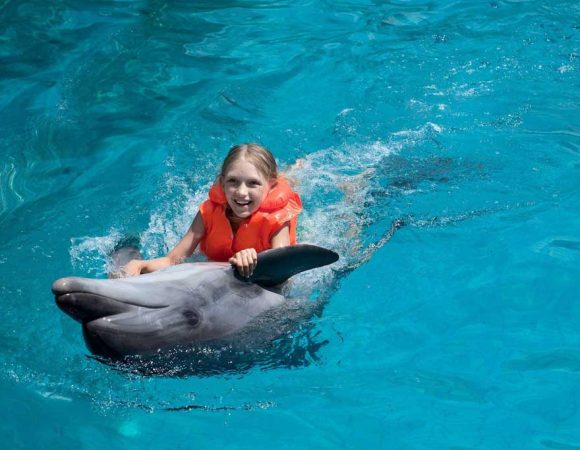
182,306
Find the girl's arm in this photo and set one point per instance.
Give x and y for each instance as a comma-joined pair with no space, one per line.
181,251
245,261
282,237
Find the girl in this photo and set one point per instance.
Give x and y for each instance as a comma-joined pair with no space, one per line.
250,209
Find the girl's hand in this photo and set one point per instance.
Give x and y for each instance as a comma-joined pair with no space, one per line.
133,267
245,261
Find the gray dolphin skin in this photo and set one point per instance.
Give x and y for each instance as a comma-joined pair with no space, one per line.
184,305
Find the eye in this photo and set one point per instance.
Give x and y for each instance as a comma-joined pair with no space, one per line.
231,180
255,183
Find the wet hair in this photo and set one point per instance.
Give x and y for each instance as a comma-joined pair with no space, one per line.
259,156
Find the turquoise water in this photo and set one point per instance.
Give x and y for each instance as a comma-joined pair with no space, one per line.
460,119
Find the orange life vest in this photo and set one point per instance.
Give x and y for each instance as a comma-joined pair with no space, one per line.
220,243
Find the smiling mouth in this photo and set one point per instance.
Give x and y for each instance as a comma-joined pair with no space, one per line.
242,203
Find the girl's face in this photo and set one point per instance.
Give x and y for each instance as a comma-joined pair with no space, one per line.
245,188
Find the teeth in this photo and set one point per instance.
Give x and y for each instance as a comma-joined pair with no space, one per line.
242,203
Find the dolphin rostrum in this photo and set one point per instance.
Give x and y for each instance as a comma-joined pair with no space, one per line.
181,306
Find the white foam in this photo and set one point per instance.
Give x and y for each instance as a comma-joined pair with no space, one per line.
565,68
90,254
342,177
52,396
171,219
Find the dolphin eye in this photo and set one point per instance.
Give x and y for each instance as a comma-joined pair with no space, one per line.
191,316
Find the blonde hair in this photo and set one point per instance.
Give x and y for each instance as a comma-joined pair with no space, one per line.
259,156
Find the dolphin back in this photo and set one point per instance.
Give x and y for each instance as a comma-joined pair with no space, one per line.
279,264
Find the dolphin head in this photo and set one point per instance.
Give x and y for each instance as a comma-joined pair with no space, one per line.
181,305
184,305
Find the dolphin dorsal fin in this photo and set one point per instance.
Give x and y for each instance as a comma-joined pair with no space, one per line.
277,265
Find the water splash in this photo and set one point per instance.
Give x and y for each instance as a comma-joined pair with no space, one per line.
178,204
339,187
91,254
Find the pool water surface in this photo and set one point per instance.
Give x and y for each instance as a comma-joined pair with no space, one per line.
438,153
